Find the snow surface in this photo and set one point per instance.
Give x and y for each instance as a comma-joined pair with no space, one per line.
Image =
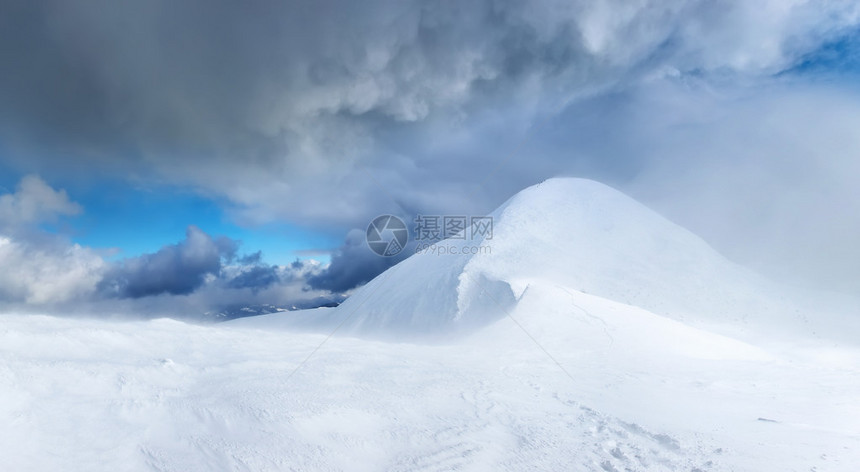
596,336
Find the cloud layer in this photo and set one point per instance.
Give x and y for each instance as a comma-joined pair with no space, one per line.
330,113
273,104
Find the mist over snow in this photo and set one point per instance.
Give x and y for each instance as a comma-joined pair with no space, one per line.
215,251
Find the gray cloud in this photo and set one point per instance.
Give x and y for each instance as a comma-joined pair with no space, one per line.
178,269
334,112
34,202
203,276
255,278
354,264
262,102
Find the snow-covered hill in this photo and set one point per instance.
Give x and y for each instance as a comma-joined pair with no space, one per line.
586,237
595,336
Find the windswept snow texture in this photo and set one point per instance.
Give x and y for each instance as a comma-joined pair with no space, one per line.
597,336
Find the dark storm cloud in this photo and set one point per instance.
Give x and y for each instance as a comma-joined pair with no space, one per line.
354,264
255,278
177,269
274,104
251,259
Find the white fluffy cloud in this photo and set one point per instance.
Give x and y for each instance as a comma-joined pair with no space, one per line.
34,201
49,274
36,268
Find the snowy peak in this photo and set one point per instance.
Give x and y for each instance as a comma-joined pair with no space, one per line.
591,237
571,236
568,232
